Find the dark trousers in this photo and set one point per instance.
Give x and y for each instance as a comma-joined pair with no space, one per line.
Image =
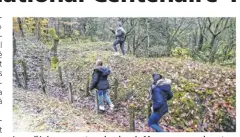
153,121
116,42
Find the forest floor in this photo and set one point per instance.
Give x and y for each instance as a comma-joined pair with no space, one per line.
192,82
35,112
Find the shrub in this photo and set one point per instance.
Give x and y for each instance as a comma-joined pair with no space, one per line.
180,52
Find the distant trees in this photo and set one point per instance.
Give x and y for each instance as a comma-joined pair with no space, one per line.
208,39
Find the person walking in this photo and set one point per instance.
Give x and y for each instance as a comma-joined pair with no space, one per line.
100,82
159,93
119,39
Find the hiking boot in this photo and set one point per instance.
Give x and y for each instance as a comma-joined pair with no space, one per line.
101,108
116,54
123,56
111,106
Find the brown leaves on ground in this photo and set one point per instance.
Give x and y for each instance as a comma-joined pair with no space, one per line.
204,95
35,112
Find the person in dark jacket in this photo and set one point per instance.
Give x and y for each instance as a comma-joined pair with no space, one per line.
119,38
100,82
159,92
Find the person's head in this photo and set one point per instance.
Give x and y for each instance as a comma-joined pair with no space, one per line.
99,62
156,77
119,24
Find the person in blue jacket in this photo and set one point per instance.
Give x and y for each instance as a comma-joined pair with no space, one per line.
100,82
159,92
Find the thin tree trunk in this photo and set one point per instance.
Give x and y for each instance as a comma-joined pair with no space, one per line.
149,111
128,46
133,46
115,90
87,85
200,127
42,79
20,26
132,118
147,38
200,42
64,30
212,59
55,47
57,27
70,95
14,45
25,77
36,32
16,75
60,75
96,103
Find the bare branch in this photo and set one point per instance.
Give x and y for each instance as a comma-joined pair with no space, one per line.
209,26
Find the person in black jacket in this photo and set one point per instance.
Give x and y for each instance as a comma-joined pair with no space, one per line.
159,92
100,82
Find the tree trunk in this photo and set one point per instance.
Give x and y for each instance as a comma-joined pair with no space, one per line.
55,47
16,75
147,39
213,41
87,85
115,90
128,46
133,46
132,118
70,95
200,42
212,56
14,45
25,77
20,26
64,30
200,127
37,28
96,103
60,75
43,85
84,29
149,111
169,46
57,26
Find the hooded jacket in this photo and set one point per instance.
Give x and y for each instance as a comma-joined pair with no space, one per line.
160,93
99,78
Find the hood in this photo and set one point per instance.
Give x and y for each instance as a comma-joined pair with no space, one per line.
162,82
105,71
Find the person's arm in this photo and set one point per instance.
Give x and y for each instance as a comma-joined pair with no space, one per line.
157,97
112,31
123,31
169,93
94,80
149,93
